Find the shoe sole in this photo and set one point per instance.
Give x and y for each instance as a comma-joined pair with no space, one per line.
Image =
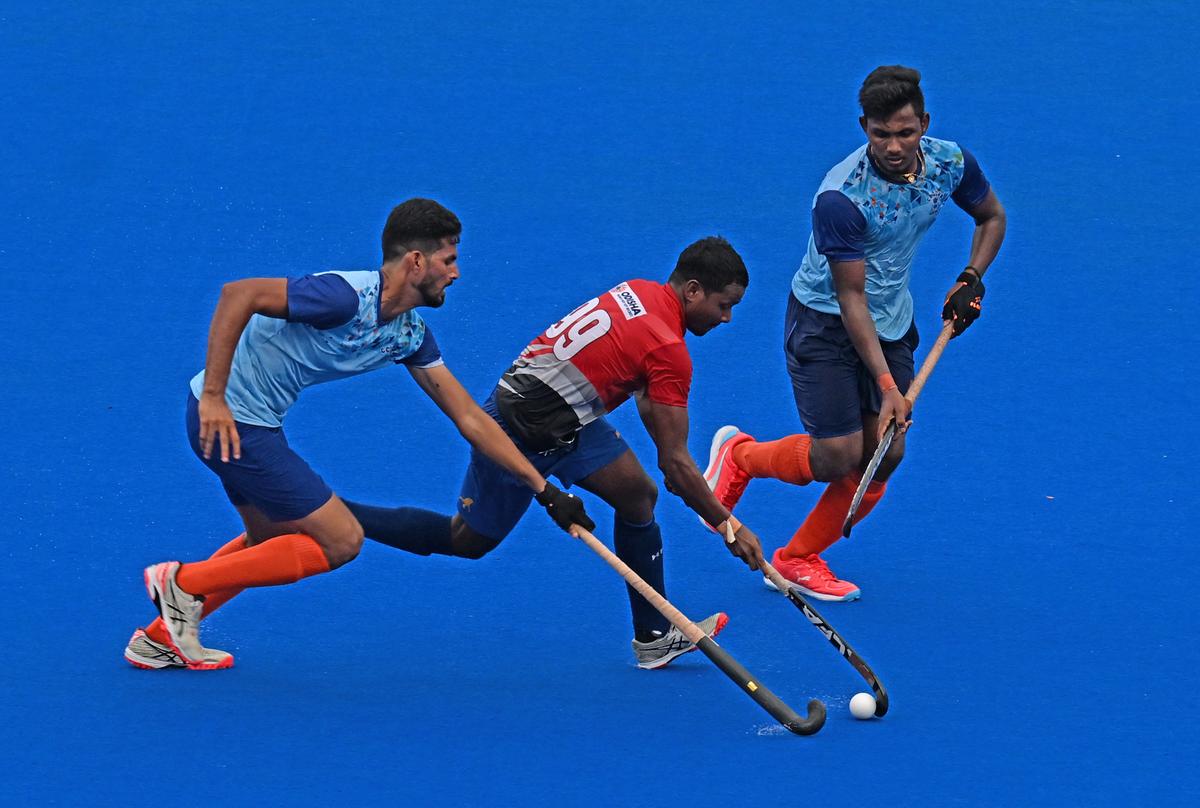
155,588
140,662
804,590
722,620
149,664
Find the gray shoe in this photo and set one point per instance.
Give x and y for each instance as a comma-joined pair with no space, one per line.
180,611
143,652
658,652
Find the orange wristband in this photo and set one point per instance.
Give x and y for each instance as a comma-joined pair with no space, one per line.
886,382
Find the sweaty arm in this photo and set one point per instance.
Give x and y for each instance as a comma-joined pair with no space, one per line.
239,301
668,427
482,432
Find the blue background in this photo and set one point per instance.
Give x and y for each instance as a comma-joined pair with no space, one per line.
1028,581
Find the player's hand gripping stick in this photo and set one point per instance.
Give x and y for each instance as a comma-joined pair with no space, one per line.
914,390
964,303
780,711
565,509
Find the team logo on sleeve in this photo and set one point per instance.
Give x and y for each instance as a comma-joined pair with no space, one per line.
629,302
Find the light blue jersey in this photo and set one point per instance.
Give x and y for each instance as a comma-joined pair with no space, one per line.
332,331
858,214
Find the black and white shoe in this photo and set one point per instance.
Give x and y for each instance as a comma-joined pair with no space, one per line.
180,611
143,652
660,651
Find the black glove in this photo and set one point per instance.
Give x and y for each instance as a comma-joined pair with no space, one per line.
964,301
565,509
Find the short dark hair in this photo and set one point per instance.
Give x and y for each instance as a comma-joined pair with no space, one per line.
713,263
418,224
889,89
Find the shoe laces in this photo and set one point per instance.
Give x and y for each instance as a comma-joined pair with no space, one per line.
818,569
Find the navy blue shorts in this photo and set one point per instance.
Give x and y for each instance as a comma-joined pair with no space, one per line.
270,476
492,501
831,385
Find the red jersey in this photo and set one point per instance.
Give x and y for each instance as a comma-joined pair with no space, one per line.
589,362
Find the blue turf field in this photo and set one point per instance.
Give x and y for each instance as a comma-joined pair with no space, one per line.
1028,581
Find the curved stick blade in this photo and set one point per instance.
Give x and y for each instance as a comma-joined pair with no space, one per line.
778,709
843,648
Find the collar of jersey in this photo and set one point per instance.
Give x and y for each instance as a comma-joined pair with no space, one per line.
883,176
379,302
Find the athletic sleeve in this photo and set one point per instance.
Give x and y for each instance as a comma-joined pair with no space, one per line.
427,356
323,301
669,375
839,227
973,187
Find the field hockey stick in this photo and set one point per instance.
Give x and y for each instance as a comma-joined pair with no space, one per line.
914,389
774,705
843,647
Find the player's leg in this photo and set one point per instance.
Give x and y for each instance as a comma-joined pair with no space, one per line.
823,526
311,532
603,464
490,503
151,647
825,373
159,638
822,365
637,539
313,544
413,530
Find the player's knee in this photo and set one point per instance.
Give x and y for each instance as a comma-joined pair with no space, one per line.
466,543
836,462
636,505
647,494
344,548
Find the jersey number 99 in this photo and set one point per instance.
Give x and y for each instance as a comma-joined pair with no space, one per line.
579,329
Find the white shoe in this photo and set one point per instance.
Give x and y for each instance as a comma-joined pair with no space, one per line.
179,610
658,652
143,652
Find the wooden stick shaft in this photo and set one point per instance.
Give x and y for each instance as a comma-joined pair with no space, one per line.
935,353
677,618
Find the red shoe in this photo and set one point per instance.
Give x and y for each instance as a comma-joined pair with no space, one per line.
812,576
724,478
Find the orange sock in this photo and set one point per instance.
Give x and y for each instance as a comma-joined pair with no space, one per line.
281,560
823,526
784,459
158,632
